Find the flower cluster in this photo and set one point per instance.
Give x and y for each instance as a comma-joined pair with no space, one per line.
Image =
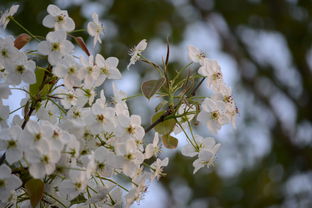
215,111
72,145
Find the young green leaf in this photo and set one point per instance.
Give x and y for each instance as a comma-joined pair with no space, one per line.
164,127
34,88
149,88
34,189
169,142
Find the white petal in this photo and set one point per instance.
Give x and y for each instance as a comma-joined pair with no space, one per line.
53,10
48,21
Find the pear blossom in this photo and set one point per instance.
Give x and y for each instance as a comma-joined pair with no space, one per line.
5,18
206,157
212,71
10,142
95,29
42,159
69,70
89,72
212,114
48,111
21,69
8,183
56,47
107,69
135,53
225,95
76,183
68,97
58,19
101,119
130,127
8,53
152,149
196,55
157,168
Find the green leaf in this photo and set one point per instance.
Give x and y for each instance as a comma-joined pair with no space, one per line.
34,88
79,199
165,127
149,88
34,189
161,105
169,142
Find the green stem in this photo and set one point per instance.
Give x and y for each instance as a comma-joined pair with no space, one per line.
61,203
17,109
110,180
21,26
133,96
79,30
188,138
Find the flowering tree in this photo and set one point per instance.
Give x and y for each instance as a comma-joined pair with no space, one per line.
73,145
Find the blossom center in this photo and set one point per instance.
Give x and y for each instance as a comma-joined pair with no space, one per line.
4,53
215,115
11,144
55,46
60,18
2,183
105,71
217,76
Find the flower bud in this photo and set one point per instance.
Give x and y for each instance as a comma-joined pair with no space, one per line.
21,40
82,45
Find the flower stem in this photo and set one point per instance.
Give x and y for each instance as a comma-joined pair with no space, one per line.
21,26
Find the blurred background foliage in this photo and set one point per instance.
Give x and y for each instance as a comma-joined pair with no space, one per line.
264,48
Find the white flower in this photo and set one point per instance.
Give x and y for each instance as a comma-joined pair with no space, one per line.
212,114
103,157
68,97
42,159
8,53
56,47
212,71
135,53
137,192
89,72
107,68
34,133
157,168
196,55
206,156
58,19
21,69
95,29
225,95
84,96
5,18
75,185
48,111
152,149
68,70
10,142
8,183
101,118
130,127
200,143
